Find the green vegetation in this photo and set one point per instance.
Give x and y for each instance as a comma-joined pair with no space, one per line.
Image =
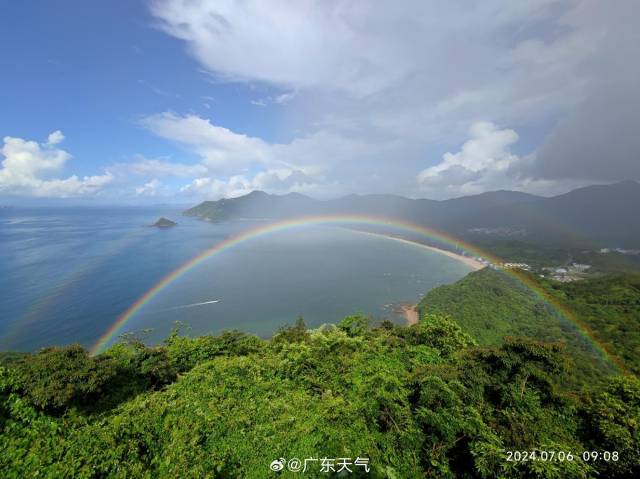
540,255
608,263
447,397
490,305
610,307
164,223
420,401
517,251
211,210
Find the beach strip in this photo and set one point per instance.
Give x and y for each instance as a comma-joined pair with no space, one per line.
471,262
411,314
410,311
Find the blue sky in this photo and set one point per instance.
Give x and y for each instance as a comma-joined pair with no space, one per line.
176,100
92,69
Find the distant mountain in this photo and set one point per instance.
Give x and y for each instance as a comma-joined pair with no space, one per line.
261,205
255,205
594,216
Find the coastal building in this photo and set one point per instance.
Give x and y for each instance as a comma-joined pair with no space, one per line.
579,267
523,266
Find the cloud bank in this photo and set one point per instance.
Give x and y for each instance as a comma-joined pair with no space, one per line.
426,98
398,84
30,168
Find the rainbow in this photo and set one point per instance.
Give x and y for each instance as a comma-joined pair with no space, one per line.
275,227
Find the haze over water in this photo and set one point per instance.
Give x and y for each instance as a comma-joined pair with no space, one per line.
66,274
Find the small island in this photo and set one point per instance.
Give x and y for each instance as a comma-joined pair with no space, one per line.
164,223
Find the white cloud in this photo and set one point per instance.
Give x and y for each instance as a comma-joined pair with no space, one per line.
485,162
393,83
273,181
282,181
29,168
153,167
151,188
214,188
285,97
280,99
363,48
221,149
28,159
301,44
378,89
55,138
68,187
488,149
323,157
236,164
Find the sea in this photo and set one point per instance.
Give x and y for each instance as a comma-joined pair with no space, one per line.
67,274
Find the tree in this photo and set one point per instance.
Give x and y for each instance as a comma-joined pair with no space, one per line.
439,332
611,422
58,378
355,325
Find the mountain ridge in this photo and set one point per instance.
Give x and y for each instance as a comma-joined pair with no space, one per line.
605,221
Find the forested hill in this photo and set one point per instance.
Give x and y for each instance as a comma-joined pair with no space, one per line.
490,305
419,401
610,307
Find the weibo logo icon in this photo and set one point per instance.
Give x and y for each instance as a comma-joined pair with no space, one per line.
277,464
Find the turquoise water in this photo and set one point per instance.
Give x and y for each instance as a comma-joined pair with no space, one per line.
66,274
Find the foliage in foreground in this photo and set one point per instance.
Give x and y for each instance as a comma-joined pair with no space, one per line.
420,401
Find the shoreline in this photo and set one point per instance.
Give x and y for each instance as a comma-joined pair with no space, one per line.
410,313
472,263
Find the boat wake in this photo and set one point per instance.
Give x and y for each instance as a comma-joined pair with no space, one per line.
185,306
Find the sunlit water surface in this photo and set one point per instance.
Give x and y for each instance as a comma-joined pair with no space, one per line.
67,274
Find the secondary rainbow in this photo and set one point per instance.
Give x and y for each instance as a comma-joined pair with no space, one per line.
274,227
66,283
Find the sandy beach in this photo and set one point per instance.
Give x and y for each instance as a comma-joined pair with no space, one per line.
411,313
472,263
409,310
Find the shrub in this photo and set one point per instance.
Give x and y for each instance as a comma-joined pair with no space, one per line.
185,353
355,325
439,332
58,378
611,422
292,334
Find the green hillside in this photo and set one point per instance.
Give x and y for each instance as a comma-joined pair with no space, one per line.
211,210
420,401
610,307
491,305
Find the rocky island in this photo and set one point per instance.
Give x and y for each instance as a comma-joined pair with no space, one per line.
164,223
